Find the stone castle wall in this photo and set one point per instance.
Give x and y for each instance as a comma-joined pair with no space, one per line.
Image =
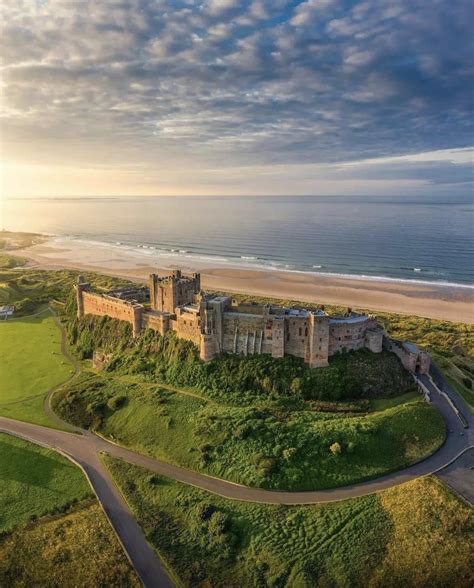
101,305
217,325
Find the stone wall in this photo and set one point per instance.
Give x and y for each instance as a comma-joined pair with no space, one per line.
102,305
187,326
156,321
412,358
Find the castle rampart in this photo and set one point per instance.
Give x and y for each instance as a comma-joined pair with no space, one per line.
216,324
412,358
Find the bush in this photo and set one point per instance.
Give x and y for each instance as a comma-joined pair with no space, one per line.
335,448
116,402
218,523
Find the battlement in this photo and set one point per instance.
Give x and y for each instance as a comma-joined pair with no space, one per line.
218,324
169,292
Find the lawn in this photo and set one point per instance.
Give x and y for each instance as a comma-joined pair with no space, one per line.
31,363
413,535
268,445
35,481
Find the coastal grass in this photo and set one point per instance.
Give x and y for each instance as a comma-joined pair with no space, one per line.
459,371
31,364
414,535
270,445
78,548
35,481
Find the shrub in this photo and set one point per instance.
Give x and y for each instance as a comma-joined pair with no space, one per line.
116,402
335,448
204,511
218,523
289,453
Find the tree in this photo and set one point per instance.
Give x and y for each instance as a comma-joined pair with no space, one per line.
289,453
295,386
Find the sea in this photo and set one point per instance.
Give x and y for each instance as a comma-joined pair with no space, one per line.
422,239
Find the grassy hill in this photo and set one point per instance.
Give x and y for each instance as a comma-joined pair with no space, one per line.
272,444
413,535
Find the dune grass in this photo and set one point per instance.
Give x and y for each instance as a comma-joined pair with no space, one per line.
31,363
459,371
35,481
413,535
74,549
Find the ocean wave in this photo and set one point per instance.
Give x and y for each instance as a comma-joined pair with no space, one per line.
254,262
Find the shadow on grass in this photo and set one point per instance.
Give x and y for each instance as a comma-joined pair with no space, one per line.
27,466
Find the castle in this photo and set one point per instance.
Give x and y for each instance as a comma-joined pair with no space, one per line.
216,324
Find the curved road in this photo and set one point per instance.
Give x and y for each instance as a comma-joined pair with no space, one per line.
84,449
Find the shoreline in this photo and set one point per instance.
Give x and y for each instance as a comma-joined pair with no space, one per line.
409,297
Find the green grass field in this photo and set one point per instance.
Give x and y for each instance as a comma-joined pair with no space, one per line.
266,445
35,481
413,535
31,363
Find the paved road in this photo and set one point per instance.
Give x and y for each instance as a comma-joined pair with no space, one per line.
82,447
460,476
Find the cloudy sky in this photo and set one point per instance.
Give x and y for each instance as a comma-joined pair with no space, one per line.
236,97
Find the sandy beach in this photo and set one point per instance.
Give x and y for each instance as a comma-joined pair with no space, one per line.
438,301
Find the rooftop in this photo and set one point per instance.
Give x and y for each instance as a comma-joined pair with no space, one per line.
351,319
411,347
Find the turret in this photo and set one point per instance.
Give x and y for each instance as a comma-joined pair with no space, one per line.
81,286
317,351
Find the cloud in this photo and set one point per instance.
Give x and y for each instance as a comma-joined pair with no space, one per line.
200,84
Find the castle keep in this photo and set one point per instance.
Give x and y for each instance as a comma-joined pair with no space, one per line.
216,324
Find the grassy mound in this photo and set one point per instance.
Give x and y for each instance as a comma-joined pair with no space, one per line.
272,445
414,535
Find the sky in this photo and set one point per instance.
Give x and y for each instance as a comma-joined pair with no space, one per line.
232,97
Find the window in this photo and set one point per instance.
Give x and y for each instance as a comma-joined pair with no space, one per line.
299,331
306,331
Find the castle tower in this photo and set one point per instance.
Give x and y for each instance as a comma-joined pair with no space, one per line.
137,319
317,351
278,336
167,293
152,280
207,347
81,286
